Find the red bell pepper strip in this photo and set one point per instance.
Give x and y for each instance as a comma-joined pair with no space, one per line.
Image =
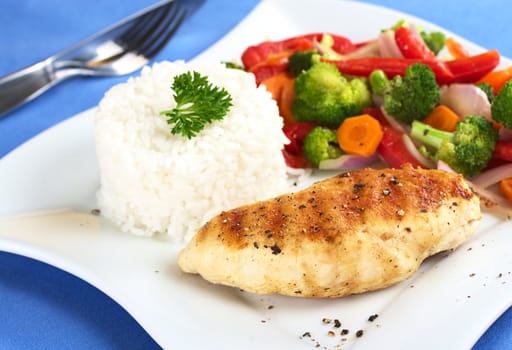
296,134
264,71
292,152
503,151
343,45
392,149
377,114
472,68
391,67
296,161
412,45
257,54
271,57
461,70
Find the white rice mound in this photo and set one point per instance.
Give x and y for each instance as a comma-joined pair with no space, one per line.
153,182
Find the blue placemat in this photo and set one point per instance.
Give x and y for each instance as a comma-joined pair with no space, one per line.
45,308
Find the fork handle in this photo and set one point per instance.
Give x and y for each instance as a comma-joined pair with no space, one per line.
25,84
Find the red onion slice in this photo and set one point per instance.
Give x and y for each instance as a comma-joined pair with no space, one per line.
489,201
370,49
492,202
492,176
413,150
445,167
387,44
347,162
395,124
466,99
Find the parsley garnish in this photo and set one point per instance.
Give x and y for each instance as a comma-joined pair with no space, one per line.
198,103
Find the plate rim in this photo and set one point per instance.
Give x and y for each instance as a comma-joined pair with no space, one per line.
20,149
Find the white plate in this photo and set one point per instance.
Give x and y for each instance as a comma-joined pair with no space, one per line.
48,189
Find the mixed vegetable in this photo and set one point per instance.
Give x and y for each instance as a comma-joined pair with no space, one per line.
407,96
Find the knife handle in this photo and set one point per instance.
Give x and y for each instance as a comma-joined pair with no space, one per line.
25,84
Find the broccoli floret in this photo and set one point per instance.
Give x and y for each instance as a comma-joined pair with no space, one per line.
413,96
467,150
435,41
321,143
488,89
324,95
501,107
302,60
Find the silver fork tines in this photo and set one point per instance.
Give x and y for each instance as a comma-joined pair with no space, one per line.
120,49
149,43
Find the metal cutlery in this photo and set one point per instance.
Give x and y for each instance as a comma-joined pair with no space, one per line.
117,50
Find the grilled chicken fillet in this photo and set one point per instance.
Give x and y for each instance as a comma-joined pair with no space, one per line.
352,233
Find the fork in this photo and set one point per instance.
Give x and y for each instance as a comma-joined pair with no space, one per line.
120,49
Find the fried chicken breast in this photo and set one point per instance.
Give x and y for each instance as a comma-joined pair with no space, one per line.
355,232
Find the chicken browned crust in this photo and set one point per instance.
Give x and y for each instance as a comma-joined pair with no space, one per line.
352,233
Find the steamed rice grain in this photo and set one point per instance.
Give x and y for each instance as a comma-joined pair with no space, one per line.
153,182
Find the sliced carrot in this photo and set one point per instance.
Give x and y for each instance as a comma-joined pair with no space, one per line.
274,85
442,118
505,188
286,101
281,86
455,48
497,78
359,135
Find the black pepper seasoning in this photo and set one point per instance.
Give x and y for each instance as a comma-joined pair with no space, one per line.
358,187
275,249
373,317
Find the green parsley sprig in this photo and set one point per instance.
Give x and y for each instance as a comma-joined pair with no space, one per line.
198,103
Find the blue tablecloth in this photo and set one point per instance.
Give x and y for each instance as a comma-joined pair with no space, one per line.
44,308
